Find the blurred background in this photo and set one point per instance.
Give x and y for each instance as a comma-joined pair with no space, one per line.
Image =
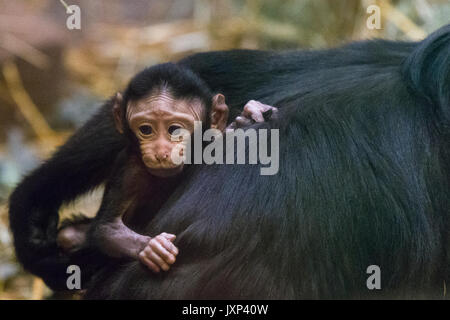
52,78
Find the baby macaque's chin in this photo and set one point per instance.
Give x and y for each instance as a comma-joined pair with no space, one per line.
166,172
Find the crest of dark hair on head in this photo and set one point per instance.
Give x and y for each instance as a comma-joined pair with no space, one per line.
181,82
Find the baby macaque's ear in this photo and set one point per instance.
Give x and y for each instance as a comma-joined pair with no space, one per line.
219,112
117,112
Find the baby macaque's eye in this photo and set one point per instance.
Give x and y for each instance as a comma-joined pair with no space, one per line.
145,130
173,128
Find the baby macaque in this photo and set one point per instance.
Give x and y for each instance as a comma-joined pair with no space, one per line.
158,101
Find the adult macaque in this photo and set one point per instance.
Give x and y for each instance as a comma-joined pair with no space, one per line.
158,101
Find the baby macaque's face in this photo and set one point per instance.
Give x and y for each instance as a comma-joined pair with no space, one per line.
156,120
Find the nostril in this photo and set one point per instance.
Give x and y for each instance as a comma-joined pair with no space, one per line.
161,157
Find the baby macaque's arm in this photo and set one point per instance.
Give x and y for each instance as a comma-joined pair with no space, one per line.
109,233
117,240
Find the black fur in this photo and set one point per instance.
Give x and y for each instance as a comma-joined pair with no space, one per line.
364,179
183,83
77,167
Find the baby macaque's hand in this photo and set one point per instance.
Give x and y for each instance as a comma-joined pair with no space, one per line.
159,253
254,111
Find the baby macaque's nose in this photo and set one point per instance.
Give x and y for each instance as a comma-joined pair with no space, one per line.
161,156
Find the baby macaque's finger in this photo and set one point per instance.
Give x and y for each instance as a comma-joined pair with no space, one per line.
242,122
159,261
145,260
162,252
168,236
254,109
169,246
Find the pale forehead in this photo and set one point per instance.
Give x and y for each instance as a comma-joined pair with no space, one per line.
162,103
